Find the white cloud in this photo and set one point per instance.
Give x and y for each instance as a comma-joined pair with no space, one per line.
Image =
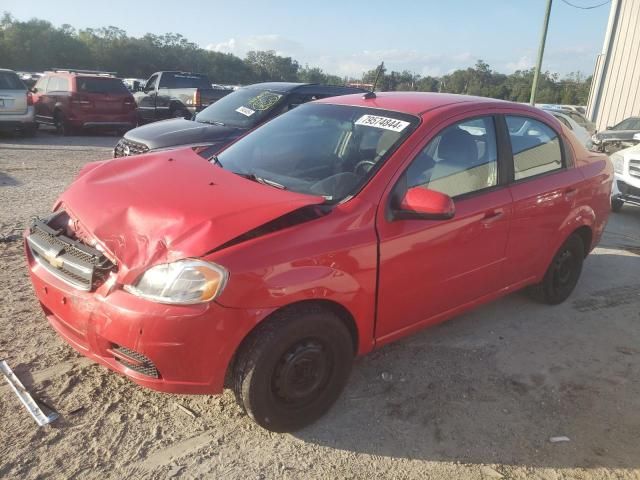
240,46
523,63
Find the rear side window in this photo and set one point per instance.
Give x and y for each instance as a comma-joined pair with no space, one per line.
461,159
100,85
183,80
10,81
58,84
535,147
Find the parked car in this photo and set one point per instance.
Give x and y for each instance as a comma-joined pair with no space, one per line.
334,229
16,104
617,137
229,118
175,95
626,185
72,100
579,131
574,113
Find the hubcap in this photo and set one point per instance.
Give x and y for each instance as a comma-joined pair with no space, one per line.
564,268
301,372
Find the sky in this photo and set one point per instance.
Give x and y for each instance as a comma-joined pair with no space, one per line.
348,37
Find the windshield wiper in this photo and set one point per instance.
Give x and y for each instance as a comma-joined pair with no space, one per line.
211,122
264,181
216,161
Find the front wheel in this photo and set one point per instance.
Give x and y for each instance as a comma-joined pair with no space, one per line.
61,125
563,273
292,368
616,205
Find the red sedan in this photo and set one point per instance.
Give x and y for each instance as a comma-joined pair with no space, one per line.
332,230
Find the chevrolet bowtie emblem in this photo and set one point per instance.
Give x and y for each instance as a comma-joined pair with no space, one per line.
53,259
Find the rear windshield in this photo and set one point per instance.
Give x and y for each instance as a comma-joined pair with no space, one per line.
100,85
183,80
10,81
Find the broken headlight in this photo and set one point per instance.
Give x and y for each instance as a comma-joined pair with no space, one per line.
183,282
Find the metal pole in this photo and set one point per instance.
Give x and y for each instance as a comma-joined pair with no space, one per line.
543,40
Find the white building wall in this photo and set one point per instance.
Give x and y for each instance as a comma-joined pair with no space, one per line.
615,90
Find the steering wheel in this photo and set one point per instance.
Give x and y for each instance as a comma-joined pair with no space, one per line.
362,164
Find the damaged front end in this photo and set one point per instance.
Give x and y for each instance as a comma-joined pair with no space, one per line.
54,244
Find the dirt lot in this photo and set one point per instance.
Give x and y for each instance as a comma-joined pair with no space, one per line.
478,397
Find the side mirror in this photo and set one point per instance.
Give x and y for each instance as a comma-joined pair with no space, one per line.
421,203
33,90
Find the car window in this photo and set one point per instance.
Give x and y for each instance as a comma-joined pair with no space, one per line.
461,159
535,147
10,81
183,80
628,124
41,84
563,121
100,85
54,84
151,83
243,108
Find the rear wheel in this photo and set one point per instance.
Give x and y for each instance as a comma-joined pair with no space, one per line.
62,125
563,273
616,205
293,367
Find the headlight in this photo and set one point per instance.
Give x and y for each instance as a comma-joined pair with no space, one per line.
618,162
636,136
182,282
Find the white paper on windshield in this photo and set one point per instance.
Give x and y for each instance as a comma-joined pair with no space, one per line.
382,122
245,111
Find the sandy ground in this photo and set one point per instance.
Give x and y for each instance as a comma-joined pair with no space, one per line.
478,397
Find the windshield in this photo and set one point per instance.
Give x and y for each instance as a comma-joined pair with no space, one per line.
628,124
243,108
319,149
100,85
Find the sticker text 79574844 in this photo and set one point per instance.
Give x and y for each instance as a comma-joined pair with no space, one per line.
382,122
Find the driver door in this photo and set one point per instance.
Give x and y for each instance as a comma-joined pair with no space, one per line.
430,268
146,100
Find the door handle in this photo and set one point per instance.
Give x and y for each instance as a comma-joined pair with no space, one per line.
491,216
569,193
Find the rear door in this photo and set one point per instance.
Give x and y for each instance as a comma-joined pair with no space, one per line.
429,268
544,193
106,95
13,94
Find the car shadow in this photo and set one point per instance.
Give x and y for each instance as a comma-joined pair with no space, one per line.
497,385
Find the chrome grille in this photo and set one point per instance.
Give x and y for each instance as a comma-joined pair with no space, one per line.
634,167
74,262
126,147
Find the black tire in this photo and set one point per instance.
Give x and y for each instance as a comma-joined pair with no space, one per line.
616,205
292,368
62,126
563,273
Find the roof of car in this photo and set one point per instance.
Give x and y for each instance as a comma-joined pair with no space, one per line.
286,87
409,102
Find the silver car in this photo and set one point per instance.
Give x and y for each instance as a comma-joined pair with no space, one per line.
16,104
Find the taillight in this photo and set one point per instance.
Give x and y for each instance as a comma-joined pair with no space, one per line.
29,99
196,98
78,100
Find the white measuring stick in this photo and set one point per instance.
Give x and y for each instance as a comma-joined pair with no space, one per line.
25,397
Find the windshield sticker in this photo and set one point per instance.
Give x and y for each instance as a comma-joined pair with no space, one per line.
382,122
247,112
264,101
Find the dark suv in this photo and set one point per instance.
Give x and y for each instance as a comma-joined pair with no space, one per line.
74,99
229,118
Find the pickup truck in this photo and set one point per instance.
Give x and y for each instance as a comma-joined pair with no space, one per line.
175,95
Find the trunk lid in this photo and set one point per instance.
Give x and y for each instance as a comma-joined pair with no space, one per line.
103,95
158,208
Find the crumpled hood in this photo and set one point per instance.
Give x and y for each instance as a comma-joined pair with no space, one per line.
178,131
157,208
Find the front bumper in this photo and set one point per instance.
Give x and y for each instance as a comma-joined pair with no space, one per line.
170,348
626,188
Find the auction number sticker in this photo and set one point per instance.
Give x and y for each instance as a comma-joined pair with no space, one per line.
382,122
245,111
